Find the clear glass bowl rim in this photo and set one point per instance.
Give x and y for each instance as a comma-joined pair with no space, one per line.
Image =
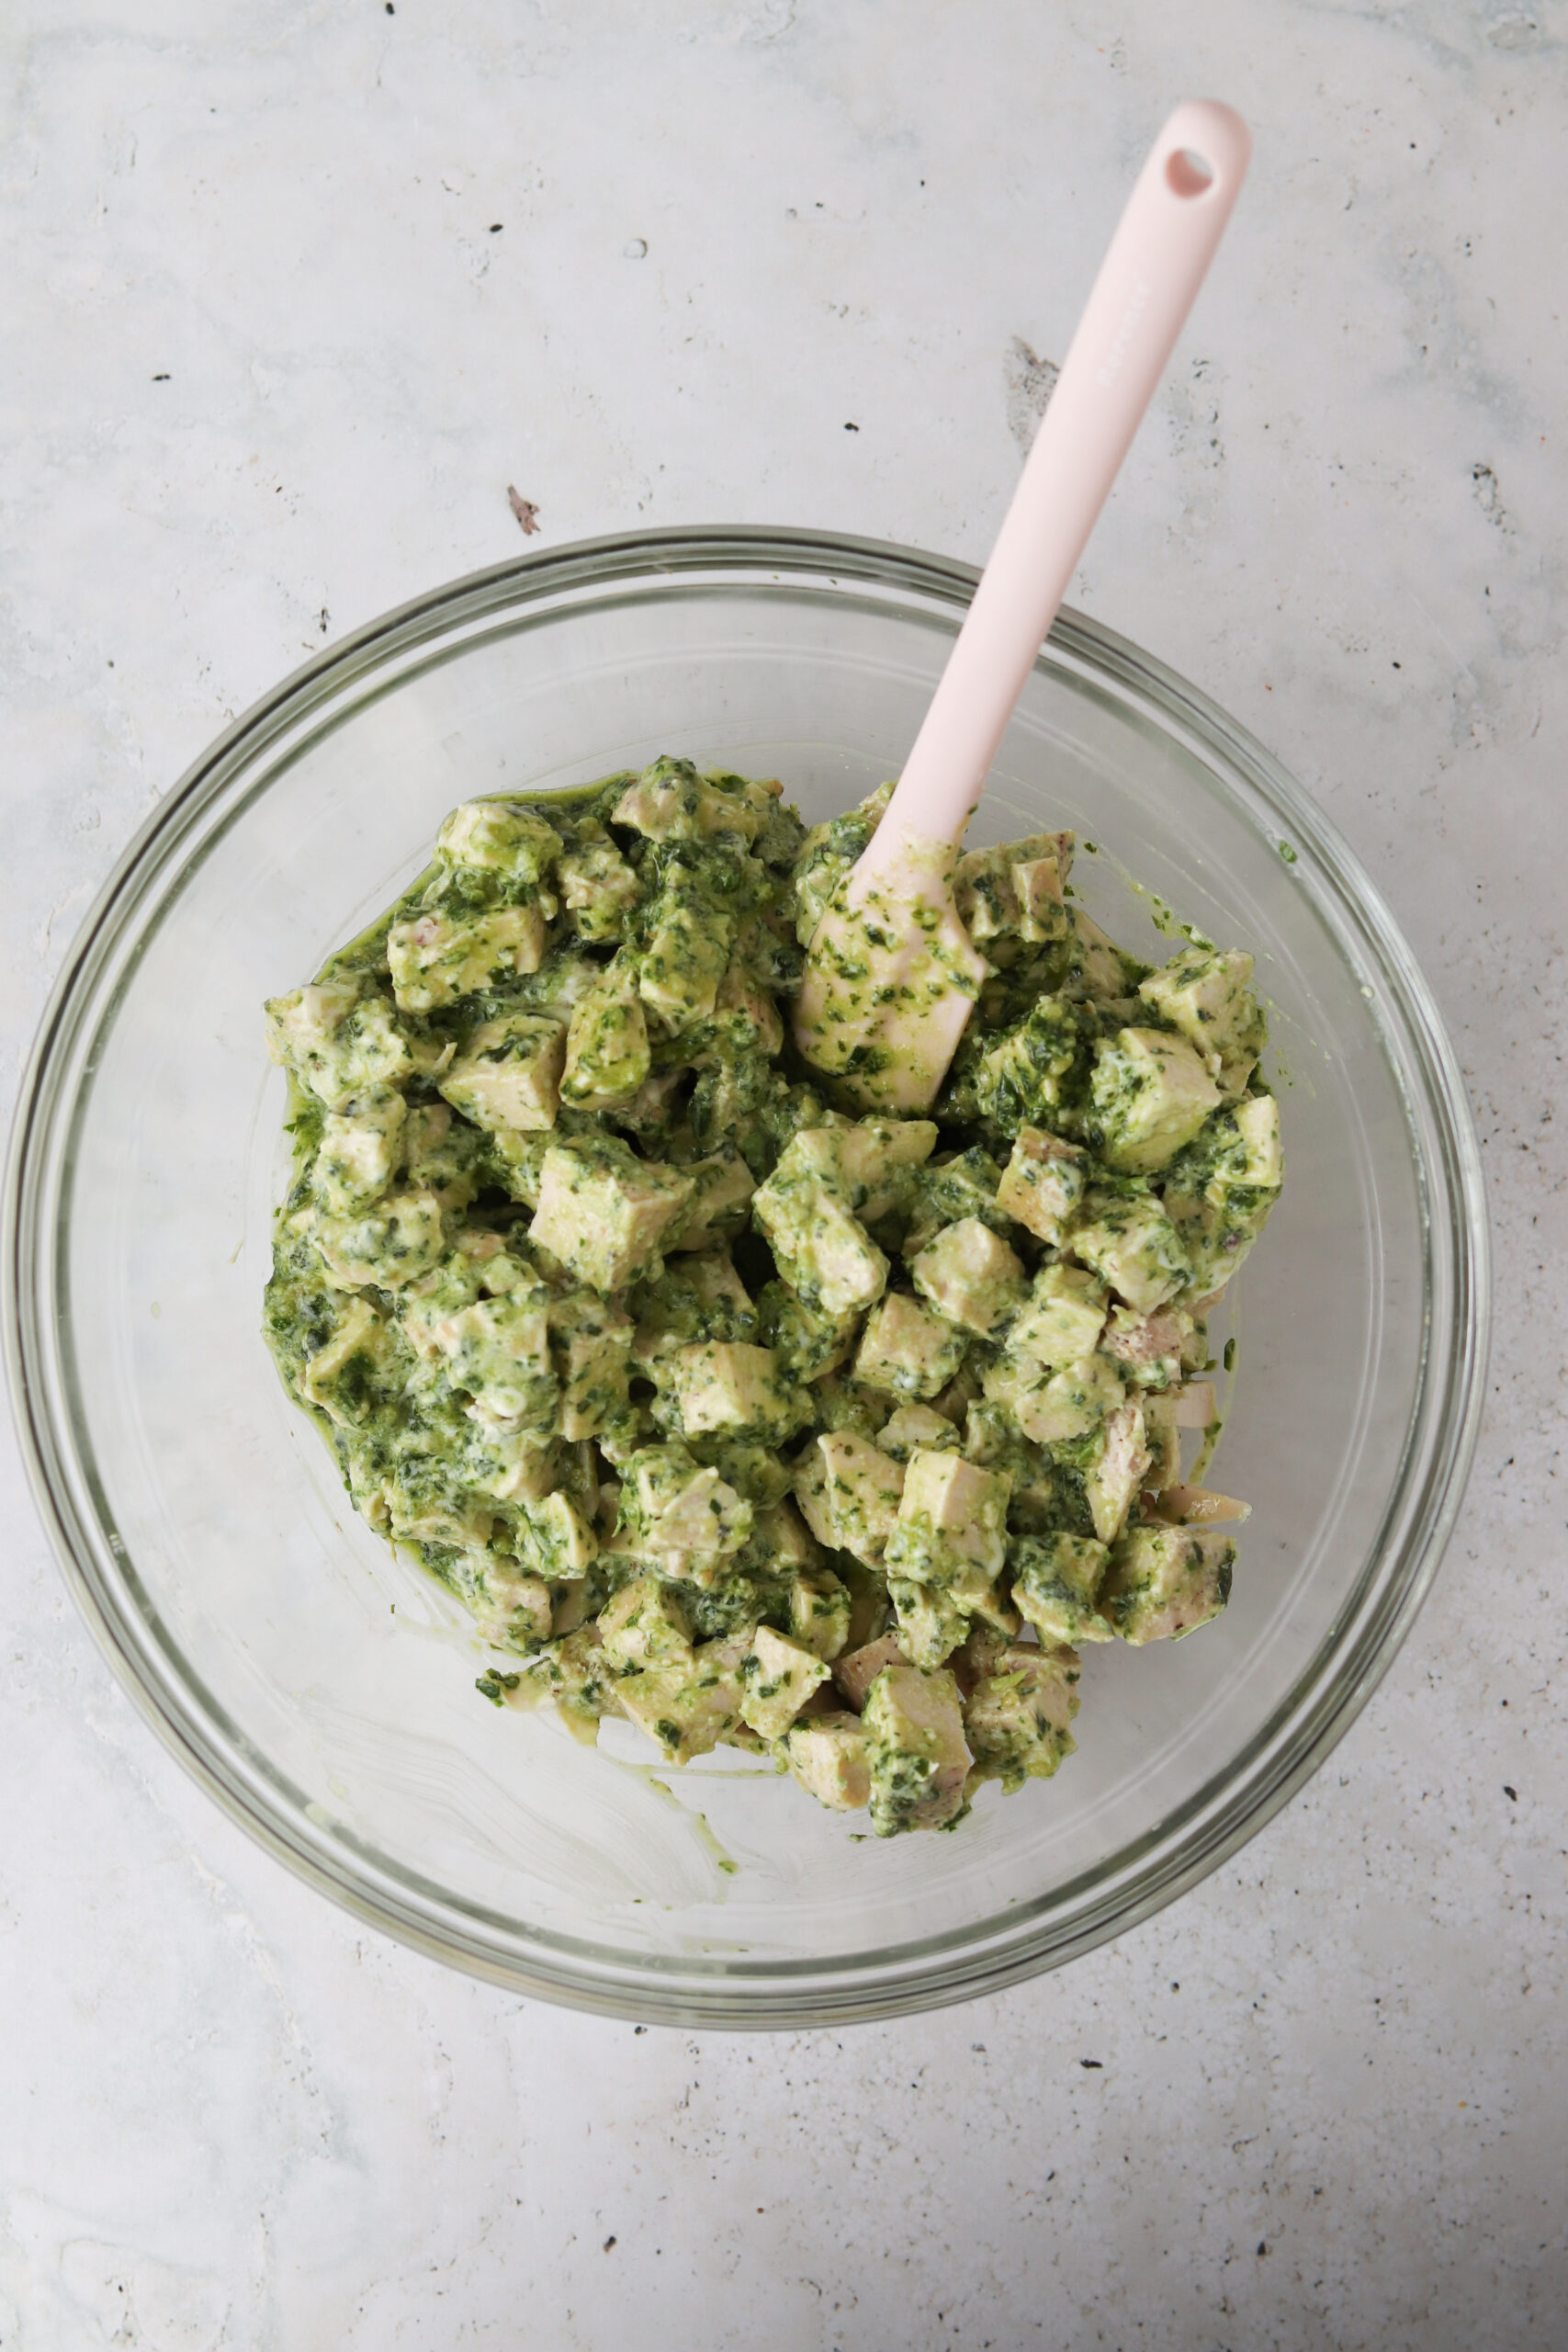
729,1993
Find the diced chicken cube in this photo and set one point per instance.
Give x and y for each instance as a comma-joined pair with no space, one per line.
980,1652
441,1154
869,1610
497,1351
700,1297
513,1609
809,1340
607,1054
974,1594
302,1027
991,1438
1149,1347
745,1019
1055,1579
918,1756
598,889
969,1274
499,837
1162,1435
479,1266
338,1378
1133,1245
669,801
575,1673
827,1756
1106,973
908,1349
781,1537
1017,1720
510,1074
497,1268
857,1670
515,1463
931,1623
1241,1147
435,959
1165,1581
986,884
918,1428
338,1042
392,1244
426,1505
868,1162
1015,1398
1028,1073
591,1343
1052,1408
687,1709
849,1492
951,1519
359,1150
1037,885
604,1213
646,1624
681,1514
1150,1094
651,1110
1112,1481
822,1248
722,1187
808,1483
1208,995
960,1184
983,891
726,1388
1064,1318
1043,1183
989,1604
1215,1238
685,1510
819,1611
557,1538
777,1677
685,958
840,1405
826,855
1258,1124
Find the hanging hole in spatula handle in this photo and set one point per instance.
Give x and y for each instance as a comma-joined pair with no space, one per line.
1187,173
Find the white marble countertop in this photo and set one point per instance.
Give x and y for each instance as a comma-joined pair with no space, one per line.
292,291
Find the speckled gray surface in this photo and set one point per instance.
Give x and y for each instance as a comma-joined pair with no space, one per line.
268,367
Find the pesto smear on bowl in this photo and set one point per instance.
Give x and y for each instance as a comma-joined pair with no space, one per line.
722,1410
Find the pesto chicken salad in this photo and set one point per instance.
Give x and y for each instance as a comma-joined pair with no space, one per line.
728,1412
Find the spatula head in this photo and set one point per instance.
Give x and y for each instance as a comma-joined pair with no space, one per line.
891,976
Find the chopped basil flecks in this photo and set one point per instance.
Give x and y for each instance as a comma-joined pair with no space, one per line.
724,1410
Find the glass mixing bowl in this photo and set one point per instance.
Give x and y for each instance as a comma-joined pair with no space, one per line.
321,1688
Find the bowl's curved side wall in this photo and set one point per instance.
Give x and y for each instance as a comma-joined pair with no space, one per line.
103,1098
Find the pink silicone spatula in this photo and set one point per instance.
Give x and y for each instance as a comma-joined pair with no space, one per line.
891,974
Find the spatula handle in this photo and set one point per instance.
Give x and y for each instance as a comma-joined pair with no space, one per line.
1163,246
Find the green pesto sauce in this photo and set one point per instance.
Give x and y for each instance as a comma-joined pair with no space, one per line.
579,1260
